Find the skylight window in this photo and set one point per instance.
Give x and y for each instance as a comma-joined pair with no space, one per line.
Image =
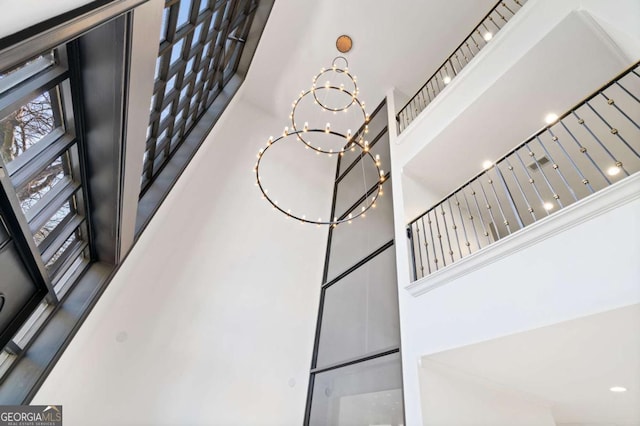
199,50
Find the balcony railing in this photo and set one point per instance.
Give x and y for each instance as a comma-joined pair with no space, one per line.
590,147
479,37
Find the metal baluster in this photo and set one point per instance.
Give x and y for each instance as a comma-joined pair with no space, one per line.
575,166
481,36
454,226
612,129
419,251
433,242
426,244
583,150
439,235
627,92
459,63
470,51
413,251
555,194
582,122
484,228
531,181
524,196
488,206
507,7
507,191
611,102
500,14
475,43
485,27
452,68
446,230
475,231
494,23
556,167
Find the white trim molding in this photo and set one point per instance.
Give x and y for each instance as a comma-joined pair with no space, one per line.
616,195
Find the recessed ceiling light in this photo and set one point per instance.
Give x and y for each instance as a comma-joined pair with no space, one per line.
548,206
488,36
551,118
487,164
618,389
612,171
446,79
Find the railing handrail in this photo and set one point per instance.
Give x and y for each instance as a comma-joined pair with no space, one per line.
530,138
449,57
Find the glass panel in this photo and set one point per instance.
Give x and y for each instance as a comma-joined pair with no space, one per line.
17,75
183,13
360,314
171,84
351,243
367,393
157,73
176,51
183,94
381,147
72,239
196,35
26,126
355,184
165,19
203,5
43,182
52,223
165,112
189,66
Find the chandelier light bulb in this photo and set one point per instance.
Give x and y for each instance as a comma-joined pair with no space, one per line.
327,128
487,36
446,79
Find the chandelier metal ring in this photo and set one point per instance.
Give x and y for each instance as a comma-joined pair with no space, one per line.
364,152
351,91
349,139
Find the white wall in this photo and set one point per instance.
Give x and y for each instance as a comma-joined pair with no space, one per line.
586,269
589,268
210,320
452,398
18,15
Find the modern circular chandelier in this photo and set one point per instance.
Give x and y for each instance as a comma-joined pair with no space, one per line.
346,140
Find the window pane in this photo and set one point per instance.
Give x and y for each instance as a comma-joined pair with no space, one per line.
196,35
367,393
203,5
176,51
353,242
183,12
360,312
43,182
17,75
27,125
52,223
165,19
66,245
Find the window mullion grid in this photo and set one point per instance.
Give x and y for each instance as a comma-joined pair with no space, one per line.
24,241
38,215
31,88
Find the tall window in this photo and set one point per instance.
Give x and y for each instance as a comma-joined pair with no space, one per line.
44,236
200,46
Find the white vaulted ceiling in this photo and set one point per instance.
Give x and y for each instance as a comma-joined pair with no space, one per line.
395,44
568,366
